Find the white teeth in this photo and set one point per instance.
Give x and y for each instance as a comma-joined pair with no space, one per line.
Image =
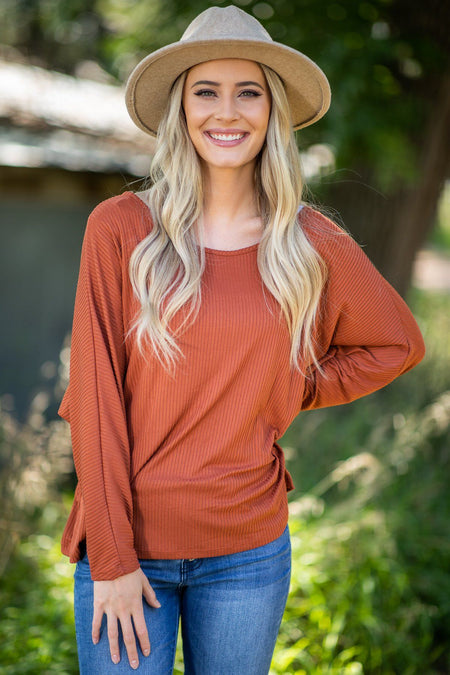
227,137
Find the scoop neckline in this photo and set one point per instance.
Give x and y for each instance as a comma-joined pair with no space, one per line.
232,251
207,249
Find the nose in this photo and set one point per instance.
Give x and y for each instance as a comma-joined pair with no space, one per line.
227,109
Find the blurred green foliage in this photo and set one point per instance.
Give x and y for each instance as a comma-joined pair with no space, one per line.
370,524
441,234
36,630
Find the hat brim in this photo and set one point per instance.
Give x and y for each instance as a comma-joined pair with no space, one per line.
149,84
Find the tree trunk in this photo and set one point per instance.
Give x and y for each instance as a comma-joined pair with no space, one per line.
392,228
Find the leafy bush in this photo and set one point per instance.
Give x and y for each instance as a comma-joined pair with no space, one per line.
370,590
35,460
36,631
36,627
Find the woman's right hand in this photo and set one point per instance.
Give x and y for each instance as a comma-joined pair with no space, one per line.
121,601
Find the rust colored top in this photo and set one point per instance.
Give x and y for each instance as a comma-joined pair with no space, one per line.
188,466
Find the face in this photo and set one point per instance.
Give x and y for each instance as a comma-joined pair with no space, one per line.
227,106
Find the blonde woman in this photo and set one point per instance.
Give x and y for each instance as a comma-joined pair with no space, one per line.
211,309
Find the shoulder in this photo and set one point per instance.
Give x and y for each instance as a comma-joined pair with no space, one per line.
332,242
124,219
318,227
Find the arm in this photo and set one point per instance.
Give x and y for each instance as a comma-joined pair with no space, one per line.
94,406
366,334
94,402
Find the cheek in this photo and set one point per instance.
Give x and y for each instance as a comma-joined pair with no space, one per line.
261,124
189,111
193,123
261,117
267,111
194,120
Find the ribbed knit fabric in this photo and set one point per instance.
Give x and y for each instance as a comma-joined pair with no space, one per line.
188,466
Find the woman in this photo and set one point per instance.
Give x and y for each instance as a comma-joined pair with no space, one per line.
210,310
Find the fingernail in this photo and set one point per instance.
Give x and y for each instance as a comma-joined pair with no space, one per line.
95,641
115,658
134,664
158,604
146,652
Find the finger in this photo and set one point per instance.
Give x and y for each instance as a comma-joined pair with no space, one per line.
140,628
113,637
130,641
96,624
149,594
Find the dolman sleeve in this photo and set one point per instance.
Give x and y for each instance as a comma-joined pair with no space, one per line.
366,336
94,403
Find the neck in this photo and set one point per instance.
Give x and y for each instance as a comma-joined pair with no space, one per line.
229,196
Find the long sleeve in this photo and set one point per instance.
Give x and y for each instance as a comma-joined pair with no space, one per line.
366,335
94,403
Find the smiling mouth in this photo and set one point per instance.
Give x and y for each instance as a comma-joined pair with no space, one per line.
226,139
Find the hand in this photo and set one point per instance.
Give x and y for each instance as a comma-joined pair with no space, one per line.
121,600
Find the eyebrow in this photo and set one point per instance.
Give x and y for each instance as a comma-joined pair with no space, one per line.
248,83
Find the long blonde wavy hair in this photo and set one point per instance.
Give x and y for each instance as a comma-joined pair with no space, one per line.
166,266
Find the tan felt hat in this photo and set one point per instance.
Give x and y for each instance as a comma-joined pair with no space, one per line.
224,33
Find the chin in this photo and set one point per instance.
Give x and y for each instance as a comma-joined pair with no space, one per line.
228,162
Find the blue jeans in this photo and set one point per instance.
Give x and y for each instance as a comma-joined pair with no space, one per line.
230,606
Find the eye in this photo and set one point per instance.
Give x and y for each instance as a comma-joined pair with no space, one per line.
250,93
206,93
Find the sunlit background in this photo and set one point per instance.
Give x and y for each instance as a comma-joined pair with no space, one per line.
370,516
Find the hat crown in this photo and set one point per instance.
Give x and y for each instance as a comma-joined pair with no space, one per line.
219,23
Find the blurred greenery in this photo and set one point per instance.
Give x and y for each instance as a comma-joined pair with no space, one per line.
440,237
36,631
370,524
